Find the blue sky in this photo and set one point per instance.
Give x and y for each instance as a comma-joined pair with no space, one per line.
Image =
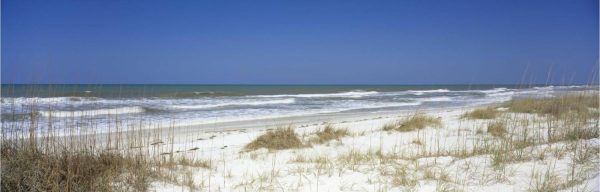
299,42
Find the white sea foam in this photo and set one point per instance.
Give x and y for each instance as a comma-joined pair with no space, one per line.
496,90
382,105
80,113
235,103
436,99
421,92
500,94
265,114
36,100
576,86
544,88
350,94
41,101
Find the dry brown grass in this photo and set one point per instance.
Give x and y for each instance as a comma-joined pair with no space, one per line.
497,128
415,122
173,163
329,133
281,138
482,113
26,168
69,156
558,106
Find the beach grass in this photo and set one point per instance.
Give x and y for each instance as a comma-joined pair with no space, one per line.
414,122
27,167
497,128
329,133
582,104
278,139
482,113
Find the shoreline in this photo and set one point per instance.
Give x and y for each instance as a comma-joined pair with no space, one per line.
180,133
351,163
452,153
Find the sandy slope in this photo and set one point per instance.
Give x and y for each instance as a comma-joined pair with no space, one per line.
370,159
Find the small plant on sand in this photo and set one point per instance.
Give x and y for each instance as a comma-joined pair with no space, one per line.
497,128
281,138
173,163
329,133
479,131
402,177
415,122
417,142
544,181
482,113
389,126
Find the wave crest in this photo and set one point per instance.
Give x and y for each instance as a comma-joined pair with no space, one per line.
251,103
350,94
496,90
95,112
436,99
421,92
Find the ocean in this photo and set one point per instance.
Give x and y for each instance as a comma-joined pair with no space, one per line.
205,104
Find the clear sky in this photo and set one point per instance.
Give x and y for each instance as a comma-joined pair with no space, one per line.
299,42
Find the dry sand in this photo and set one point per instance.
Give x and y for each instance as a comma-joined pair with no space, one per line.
369,159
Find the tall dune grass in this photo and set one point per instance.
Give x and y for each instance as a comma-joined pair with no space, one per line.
582,104
43,154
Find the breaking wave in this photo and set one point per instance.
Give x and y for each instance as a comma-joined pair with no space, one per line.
350,94
95,112
236,103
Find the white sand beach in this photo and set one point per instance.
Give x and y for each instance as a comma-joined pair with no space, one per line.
449,157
